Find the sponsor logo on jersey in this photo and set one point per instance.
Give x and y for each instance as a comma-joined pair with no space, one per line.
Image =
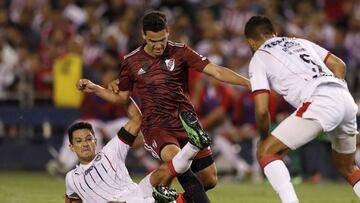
98,157
170,64
141,71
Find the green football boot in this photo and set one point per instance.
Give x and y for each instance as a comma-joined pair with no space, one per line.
164,194
197,135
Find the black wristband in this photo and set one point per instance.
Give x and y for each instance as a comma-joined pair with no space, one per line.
126,137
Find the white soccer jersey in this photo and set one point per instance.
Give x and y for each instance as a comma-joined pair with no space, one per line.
104,179
292,67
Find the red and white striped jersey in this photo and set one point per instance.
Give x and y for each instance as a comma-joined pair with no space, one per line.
104,179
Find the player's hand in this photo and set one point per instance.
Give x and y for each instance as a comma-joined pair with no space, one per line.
86,85
113,86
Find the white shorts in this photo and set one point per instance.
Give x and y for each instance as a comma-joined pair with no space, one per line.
330,109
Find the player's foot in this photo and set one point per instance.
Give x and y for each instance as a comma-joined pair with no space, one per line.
197,135
164,194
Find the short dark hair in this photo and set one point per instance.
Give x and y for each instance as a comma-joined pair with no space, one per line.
78,126
154,21
257,26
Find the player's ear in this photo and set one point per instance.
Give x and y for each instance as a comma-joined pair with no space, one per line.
252,43
143,36
71,147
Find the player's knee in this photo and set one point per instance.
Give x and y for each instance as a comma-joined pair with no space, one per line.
261,152
210,182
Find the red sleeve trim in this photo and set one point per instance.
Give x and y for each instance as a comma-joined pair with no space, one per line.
327,56
256,92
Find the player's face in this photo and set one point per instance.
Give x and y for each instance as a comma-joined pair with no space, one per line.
84,145
156,42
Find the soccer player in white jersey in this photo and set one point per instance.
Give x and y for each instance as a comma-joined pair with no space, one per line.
103,177
312,80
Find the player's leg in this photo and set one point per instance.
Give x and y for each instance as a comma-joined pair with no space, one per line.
203,165
194,190
292,133
180,164
344,141
343,154
161,142
154,189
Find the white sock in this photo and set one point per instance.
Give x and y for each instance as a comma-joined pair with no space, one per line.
279,177
356,189
183,159
354,181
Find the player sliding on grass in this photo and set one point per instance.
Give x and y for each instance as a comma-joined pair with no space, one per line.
103,176
312,80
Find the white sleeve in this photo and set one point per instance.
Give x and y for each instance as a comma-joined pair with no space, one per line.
116,149
257,74
322,52
69,187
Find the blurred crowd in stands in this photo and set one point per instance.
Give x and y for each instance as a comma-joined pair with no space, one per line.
47,45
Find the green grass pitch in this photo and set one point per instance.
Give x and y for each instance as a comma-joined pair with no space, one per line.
38,187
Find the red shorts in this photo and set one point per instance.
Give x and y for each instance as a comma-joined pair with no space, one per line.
157,138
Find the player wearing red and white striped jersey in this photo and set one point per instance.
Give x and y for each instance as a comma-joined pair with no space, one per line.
312,80
103,177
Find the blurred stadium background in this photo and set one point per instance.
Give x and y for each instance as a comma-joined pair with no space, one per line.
47,45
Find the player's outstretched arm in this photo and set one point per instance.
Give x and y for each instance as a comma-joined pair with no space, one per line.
134,115
86,85
226,75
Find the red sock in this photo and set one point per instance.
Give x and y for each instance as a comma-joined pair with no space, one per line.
354,178
181,198
264,161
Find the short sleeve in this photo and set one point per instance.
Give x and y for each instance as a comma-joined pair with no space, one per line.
257,74
194,59
69,187
125,81
322,52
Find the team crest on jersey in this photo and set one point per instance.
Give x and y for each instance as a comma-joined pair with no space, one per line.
170,64
98,157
